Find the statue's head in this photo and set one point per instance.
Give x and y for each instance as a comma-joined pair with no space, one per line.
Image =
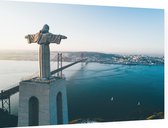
45,29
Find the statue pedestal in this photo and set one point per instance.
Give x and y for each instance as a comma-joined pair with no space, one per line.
42,102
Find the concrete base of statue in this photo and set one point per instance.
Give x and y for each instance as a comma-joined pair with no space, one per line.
49,101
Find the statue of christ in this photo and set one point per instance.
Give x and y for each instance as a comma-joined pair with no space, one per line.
44,38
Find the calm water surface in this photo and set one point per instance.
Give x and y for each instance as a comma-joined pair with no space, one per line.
116,92
108,92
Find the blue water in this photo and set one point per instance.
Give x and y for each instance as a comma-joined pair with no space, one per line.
116,92
104,91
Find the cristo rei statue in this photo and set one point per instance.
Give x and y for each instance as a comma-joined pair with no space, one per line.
44,38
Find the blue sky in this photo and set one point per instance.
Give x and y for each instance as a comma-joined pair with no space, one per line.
88,28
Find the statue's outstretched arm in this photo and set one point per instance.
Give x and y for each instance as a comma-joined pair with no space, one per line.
33,38
63,37
52,38
26,37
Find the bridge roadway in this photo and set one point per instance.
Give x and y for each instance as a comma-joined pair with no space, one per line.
7,93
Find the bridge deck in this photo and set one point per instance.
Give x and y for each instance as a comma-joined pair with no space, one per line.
7,93
64,67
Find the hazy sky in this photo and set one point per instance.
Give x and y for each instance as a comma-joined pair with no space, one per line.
88,28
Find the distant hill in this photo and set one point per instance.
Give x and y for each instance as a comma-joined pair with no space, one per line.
91,57
33,55
18,55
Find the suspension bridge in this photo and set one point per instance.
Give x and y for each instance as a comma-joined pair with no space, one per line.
6,94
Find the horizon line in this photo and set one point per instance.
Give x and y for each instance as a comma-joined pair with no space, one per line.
28,50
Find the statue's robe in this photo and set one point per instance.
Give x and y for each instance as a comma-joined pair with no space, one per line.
44,39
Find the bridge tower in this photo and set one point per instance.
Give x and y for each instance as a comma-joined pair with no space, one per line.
43,100
5,101
59,64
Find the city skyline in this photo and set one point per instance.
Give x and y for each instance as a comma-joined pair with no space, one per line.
119,30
